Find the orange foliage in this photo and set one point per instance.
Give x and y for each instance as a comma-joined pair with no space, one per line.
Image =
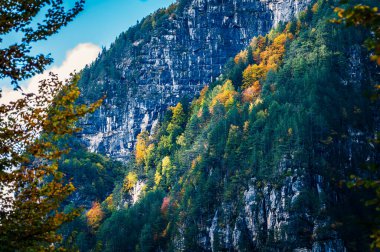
223,97
31,130
202,96
267,57
261,42
241,56
315,8
203,91
272,56
252,74
251,93
95,215
165,205
196,161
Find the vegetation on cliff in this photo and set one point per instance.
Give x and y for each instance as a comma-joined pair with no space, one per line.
289,106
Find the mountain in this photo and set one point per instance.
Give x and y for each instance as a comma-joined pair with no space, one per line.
169,55
258,160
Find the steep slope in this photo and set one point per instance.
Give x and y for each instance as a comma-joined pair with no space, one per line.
254,163
171,54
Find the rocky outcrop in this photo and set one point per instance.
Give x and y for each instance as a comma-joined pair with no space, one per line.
185,51
274,216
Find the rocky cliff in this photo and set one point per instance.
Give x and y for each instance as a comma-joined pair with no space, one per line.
169,55
259,160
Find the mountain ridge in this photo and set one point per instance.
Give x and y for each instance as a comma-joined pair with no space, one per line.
256,161
170,54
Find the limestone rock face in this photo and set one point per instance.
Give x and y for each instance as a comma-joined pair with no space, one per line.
272,216
184,51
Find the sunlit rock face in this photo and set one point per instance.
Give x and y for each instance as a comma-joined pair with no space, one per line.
182,53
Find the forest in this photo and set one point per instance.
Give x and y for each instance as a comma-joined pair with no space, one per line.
280,153
285,107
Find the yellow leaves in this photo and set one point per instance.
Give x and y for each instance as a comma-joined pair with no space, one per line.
290,132
178,114
130,181
267,58
29,131
165,172
95,215
276,50
142,147
340,13
376,58
241,57
181,140
356,15
157,177
166,165
177,109
252,74
365,16
246,126
225,95
110,203
200,113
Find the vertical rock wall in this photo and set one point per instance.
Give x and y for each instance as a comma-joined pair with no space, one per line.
183,53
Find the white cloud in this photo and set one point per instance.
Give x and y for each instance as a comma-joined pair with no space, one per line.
76,59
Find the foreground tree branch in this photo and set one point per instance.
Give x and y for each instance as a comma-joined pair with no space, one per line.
31,186
22,17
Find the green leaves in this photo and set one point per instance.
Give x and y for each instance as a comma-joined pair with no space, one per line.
18,16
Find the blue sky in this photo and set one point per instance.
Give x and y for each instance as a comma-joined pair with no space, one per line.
98,25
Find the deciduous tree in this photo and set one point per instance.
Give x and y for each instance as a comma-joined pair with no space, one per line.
31,185
20,17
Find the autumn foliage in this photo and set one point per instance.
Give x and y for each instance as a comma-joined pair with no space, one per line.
266,58
225,96
95,215
31,186
141,147
366,16
130,181
165,205
251,93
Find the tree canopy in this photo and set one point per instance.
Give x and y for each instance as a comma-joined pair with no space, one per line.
31,186
23,17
